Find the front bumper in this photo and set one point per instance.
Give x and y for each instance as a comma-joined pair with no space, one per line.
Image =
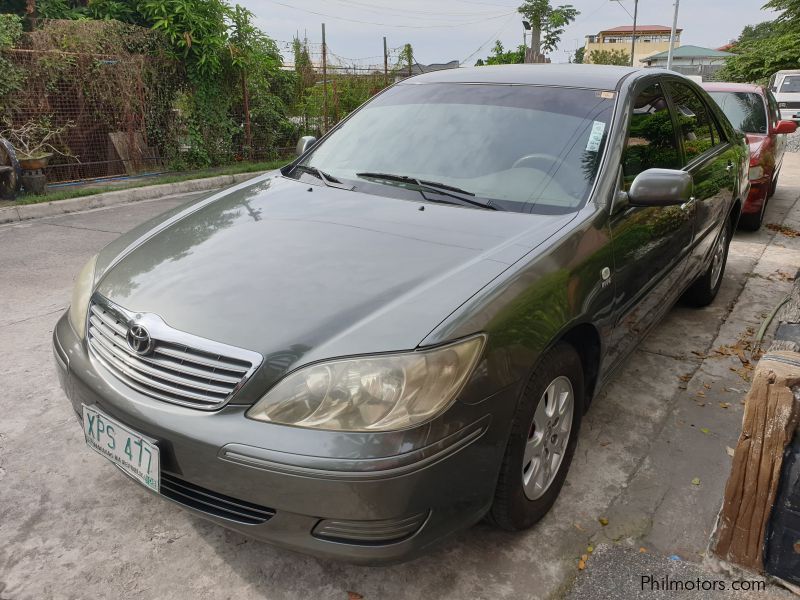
364,498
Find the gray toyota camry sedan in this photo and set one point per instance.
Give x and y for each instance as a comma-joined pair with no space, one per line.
397,334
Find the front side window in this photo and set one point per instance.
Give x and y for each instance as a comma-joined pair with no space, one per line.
745,110
523,148
695,121
790,85
651,136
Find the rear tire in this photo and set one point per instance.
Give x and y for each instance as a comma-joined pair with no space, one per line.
703,291
774,185
752,222
551,403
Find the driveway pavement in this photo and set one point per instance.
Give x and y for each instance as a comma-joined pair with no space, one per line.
72,526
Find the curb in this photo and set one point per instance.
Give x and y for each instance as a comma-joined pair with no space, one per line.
23,212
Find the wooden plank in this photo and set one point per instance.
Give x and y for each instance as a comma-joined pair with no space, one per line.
770,418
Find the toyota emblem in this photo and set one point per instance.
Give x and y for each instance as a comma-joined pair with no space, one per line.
139,340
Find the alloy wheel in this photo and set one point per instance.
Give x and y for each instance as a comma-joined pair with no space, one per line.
719,258
548,437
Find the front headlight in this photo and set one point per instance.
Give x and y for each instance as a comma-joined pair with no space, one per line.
81,292
756,173
379,393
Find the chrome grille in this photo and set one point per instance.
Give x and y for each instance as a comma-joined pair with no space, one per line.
181,369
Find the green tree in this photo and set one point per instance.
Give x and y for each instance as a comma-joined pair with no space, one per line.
580,55
790,8
756,60
13,77
757,32
610,57
407,57
499,56
547,24
767,47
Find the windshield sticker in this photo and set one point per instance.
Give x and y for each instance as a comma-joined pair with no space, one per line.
606,95
596,137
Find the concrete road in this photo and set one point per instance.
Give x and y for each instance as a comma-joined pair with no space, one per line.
72,526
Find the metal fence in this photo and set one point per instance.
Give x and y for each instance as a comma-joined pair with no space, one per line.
121,114
100,103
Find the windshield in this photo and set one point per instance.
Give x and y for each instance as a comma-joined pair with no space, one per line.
521,148
790,85
745,110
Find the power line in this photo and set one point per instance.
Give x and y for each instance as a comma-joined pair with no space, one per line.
492,37
485,3
389,11
330,16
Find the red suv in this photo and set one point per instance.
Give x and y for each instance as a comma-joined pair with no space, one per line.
753,110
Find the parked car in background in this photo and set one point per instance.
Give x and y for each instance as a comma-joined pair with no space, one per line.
786,87
398,333
752,109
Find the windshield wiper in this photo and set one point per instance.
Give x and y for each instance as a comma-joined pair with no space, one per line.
327,179
432,186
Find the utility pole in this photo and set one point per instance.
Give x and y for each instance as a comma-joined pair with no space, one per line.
672,35
385,62
324,82
526,26
633,37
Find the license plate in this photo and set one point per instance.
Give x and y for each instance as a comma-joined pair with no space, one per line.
122,446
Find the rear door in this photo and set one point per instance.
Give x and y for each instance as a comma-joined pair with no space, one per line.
712,161
650,244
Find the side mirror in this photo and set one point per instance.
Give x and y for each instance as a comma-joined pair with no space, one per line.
661,187
785,127
304,143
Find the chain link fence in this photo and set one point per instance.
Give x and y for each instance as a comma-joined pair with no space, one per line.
114,101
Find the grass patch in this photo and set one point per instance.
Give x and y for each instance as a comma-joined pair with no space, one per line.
80,191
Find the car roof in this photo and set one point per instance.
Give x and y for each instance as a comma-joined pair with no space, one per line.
717,86
563,75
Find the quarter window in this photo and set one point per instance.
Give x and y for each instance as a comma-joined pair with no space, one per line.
694,118
651,137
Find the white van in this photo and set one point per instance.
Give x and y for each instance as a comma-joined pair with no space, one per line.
786,87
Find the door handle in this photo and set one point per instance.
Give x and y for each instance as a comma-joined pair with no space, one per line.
689,204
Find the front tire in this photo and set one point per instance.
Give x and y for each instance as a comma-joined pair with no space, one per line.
703,291
544,433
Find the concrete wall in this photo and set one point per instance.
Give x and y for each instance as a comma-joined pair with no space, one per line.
643,49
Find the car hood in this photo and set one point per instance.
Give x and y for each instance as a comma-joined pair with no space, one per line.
302,272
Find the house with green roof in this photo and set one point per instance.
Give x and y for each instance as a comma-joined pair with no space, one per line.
688,56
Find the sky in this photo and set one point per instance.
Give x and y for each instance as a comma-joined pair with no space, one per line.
465,30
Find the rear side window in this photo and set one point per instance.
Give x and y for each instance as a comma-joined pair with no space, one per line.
695,121
790,85
651,136
745,110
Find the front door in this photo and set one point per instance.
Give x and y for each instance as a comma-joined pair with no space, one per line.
650,244
711,160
